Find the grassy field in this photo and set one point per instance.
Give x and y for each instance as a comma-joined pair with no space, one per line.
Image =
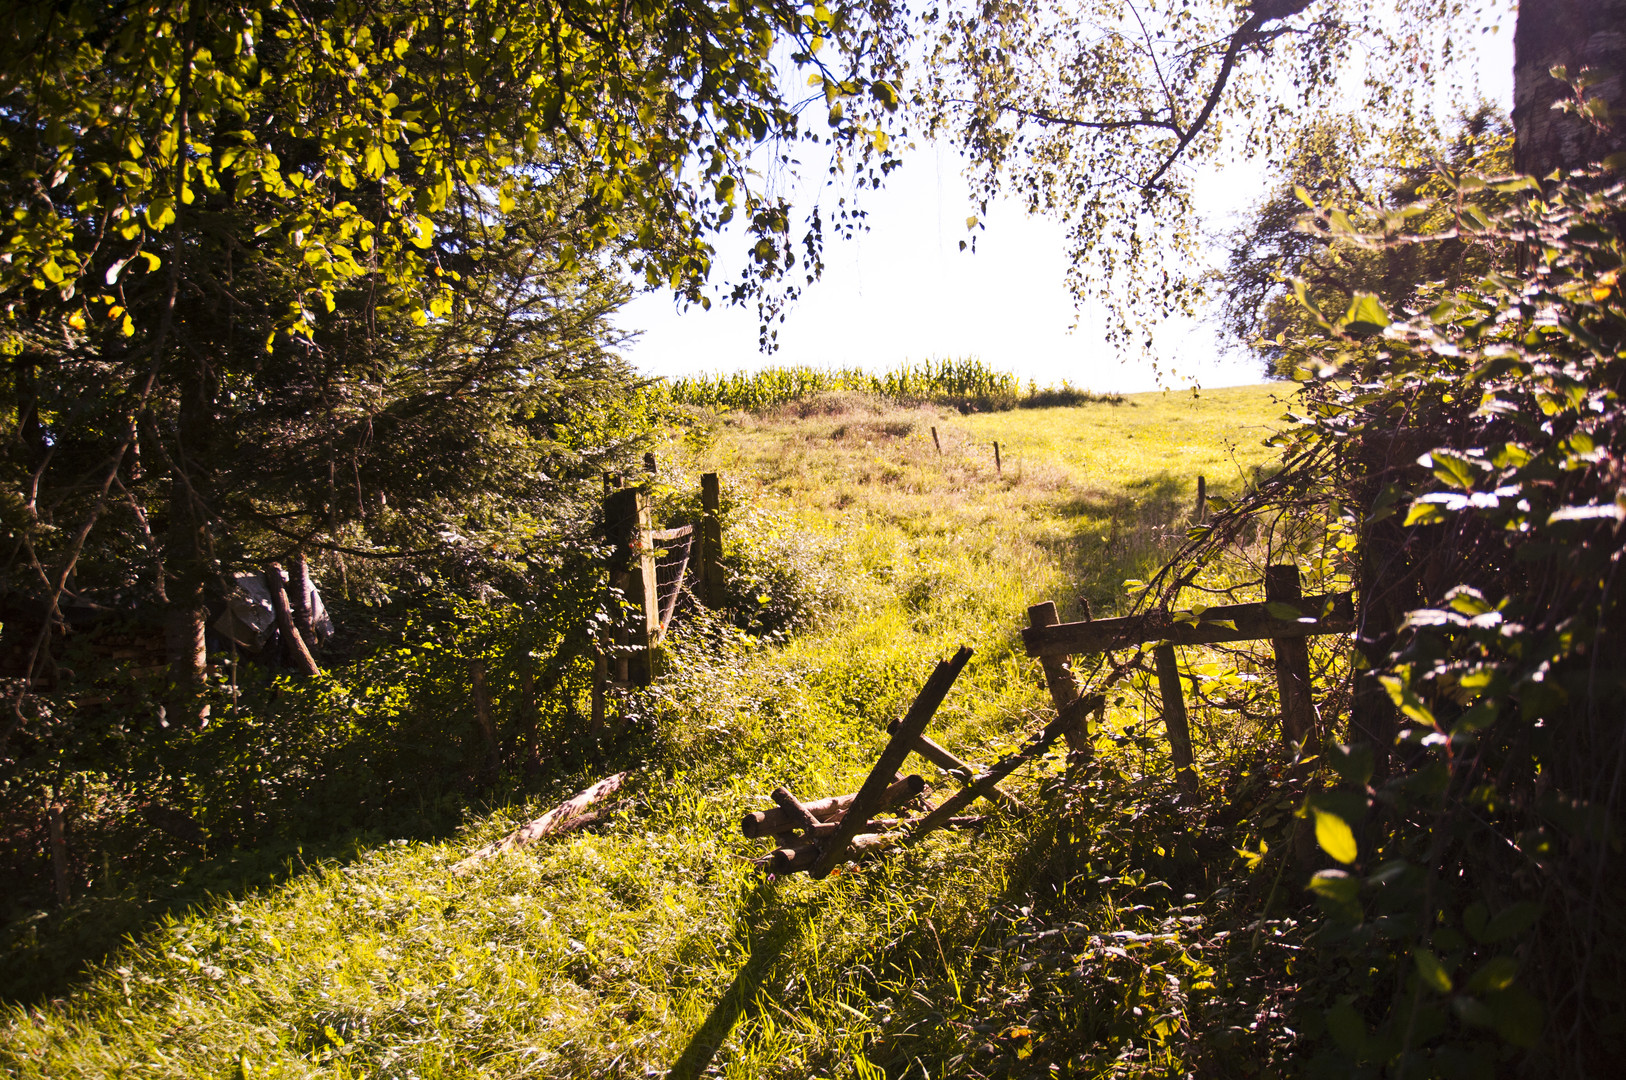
652,946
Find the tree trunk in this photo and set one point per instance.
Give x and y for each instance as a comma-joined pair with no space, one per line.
297,655
185,615
300,599
1578,34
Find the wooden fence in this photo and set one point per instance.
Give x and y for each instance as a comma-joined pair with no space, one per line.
1285,619
649,565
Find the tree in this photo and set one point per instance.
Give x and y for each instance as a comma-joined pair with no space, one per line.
256,254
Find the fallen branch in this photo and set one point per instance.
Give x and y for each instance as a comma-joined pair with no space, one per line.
570,814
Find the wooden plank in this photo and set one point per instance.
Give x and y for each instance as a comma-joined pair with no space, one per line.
1035,746
1333,613
914,722
627,526
1282,585
662,536
1174,716
940,756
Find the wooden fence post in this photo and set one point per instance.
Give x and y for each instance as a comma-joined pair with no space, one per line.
1058,678
999,468
711,541
59,855
491,760
1202,500
935,441
1282,585
1174,716
632,570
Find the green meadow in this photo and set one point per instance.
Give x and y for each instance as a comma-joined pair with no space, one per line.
1102,935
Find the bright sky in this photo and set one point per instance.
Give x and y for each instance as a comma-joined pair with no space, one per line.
904,292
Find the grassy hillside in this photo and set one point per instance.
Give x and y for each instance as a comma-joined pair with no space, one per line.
651,945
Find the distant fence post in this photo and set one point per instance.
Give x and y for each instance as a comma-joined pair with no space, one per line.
711,541
936,442
1174,716
1283,586
632,569
1202,500
999,468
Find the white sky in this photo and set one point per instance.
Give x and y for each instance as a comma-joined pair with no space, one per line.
904,292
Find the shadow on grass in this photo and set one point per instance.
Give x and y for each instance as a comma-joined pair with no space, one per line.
764,945
1118,536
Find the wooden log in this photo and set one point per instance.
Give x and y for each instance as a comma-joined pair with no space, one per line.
1333,613
1174,716
940,756
798,813
1058,678
951,806
792,860
1283,586
775,822
299,657
870,795
711,542
554,821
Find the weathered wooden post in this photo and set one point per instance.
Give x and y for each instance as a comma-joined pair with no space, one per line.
1283,586
935,441
1174,716
999,468
1058,678
491,757
59,855
1202,500
711,541
632,570
649,462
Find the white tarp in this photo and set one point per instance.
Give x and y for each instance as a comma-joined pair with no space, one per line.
249,617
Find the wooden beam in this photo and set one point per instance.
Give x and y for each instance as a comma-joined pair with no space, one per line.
1282,585
566,814
869,797
1333,613
940,756
776,821
1058,677
1174,716
1035,746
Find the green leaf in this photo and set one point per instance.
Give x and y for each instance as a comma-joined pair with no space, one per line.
1510,922
1335,836
1366,315
1431,971
1347,1029
1339,893
1494,974
1354,763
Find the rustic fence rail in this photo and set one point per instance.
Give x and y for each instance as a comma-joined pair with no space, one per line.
1285,619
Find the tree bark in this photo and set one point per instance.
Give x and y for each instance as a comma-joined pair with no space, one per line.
297,655
300,599
1578,34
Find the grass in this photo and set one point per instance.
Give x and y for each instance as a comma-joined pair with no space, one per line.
652,946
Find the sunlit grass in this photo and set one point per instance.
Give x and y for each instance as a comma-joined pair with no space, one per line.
653,943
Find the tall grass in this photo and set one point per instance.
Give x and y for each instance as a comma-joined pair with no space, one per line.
964,383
